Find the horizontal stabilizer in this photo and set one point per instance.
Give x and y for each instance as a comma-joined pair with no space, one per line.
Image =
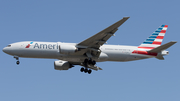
162,47
160,57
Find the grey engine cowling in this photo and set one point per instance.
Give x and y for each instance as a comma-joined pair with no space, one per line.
62,65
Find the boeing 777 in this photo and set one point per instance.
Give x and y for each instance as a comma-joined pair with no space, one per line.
92,50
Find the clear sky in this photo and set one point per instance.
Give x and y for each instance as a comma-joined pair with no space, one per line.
74,21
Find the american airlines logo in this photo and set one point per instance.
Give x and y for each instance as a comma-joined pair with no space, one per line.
29,45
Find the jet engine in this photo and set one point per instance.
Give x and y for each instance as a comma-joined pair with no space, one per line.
62,65
67,49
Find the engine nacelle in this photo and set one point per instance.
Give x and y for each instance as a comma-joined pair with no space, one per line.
62,65
103,57
67,49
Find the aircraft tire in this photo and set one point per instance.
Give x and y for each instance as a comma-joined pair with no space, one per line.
17,62
86,61
90,61
82,69
89,71
85,70
93,62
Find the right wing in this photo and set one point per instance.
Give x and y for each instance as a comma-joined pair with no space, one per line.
100,38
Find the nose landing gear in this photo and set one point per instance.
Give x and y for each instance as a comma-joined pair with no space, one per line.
17,58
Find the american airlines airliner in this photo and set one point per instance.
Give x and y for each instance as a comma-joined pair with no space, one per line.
92,50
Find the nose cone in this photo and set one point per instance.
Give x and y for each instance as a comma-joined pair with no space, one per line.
5,50
12,49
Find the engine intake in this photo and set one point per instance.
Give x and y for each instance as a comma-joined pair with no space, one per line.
62,65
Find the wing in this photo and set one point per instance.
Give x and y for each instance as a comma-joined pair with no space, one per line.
100,38
90,46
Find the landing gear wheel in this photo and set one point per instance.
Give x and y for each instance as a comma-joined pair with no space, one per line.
93,62
85,70
89,71
17,62
86,61
82,69
90,61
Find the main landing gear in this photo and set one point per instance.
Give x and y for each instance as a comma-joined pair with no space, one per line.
17,58
86,70
85,63
90,61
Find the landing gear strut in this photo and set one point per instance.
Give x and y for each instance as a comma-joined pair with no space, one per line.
17,58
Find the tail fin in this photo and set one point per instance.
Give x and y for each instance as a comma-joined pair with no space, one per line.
155,39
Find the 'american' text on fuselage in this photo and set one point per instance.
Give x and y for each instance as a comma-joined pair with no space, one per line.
46,46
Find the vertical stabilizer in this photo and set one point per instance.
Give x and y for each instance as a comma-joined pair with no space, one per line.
155,39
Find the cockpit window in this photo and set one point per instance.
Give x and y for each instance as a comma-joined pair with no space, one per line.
9,46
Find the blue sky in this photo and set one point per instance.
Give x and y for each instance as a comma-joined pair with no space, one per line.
74,21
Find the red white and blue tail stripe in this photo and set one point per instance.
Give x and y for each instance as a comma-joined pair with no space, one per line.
155,39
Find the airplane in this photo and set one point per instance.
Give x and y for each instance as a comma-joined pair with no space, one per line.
92,50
